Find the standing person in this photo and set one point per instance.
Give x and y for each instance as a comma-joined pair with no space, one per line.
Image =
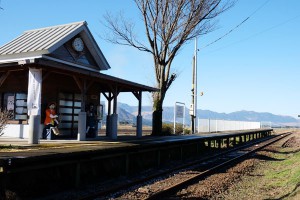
51,119
91,121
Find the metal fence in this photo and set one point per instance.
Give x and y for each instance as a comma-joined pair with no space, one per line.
215,125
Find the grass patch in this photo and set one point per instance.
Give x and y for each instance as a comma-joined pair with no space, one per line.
285,173
276,176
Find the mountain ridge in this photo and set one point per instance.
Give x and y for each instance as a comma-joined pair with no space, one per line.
128,113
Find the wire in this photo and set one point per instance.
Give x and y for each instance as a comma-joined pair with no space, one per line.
258,33
230,31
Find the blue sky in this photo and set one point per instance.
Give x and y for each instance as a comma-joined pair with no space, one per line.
255,68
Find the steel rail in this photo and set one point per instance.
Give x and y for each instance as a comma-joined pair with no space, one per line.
193,178
116,188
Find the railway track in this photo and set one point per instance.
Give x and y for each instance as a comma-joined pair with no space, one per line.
164,184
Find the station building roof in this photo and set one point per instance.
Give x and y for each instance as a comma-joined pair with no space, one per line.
52,46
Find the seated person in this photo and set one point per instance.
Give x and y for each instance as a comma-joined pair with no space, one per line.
50,120
91,122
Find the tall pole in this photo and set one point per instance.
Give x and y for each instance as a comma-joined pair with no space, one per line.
193,108
195,93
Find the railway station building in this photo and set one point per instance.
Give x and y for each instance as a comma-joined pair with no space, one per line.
61,64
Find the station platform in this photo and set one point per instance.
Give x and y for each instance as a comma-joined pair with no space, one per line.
15,147
55,165
19,147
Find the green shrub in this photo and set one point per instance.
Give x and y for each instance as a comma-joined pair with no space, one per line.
167,129
187,131
178,128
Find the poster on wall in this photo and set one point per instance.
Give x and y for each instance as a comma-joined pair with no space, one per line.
34,91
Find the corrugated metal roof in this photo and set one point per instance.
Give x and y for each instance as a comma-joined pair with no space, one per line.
39,40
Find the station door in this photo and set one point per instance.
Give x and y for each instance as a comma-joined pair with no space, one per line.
69,107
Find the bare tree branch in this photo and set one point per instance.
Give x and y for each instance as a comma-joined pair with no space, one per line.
169,24
122,32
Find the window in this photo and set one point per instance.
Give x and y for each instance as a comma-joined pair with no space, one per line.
16,103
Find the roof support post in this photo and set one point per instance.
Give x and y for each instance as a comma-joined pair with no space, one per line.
81,136
34,104
108,119
114,116
139,118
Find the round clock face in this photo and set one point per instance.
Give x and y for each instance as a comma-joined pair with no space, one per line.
78,44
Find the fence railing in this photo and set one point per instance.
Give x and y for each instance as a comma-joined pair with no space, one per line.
215,125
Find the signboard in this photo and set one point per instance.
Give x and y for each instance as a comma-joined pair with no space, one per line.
34,91
179,111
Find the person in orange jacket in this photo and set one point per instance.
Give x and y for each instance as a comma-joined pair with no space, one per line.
51,118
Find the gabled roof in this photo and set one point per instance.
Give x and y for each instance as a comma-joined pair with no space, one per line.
42,42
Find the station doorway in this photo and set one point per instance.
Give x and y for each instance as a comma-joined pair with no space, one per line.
68,110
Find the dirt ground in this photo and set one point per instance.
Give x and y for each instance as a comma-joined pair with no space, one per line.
248,180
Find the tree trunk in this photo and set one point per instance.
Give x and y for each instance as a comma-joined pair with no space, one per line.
157,116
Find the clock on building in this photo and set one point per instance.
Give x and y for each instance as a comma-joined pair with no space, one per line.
78,44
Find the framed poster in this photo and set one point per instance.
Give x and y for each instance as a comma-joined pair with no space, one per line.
10,103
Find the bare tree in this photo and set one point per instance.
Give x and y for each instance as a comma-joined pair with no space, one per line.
169,24
5,116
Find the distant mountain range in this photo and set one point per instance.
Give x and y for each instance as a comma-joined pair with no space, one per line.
127,114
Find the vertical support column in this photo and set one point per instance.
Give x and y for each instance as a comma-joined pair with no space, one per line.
114,118
34,104
228,142
34,128
139,118
241,140
108,117
139,126
81,135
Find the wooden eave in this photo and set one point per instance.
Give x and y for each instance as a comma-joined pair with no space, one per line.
106,82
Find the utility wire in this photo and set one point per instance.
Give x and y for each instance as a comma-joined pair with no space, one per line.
247,18
258,33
